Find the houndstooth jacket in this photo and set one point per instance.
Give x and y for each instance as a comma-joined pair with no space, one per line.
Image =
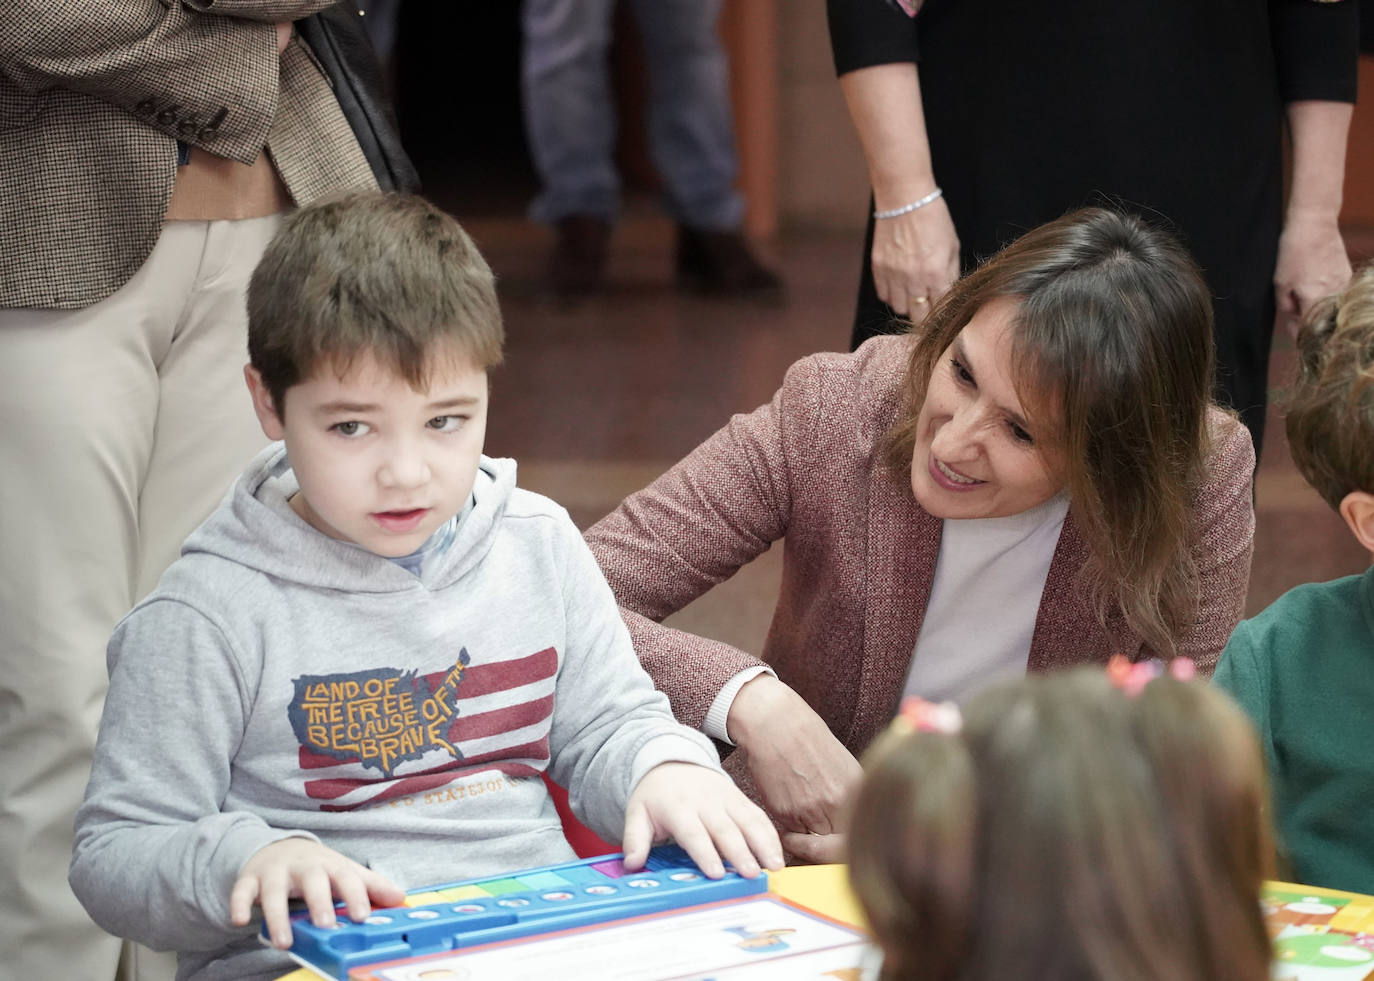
93,100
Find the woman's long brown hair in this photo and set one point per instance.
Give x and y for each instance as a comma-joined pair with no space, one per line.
1114,353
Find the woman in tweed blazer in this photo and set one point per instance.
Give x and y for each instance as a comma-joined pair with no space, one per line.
1112,342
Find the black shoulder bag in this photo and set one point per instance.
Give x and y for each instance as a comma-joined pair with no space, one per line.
337,39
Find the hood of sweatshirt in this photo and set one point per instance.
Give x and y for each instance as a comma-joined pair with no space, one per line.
257,528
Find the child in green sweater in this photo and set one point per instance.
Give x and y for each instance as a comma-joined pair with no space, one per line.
1304,668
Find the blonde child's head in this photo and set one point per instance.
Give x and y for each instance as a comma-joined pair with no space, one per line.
1330,409
1067,831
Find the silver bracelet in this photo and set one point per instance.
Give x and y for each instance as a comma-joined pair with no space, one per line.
908,208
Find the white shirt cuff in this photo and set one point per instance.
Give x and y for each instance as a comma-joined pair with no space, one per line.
714,724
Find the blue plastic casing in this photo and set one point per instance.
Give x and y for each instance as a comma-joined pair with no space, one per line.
539,900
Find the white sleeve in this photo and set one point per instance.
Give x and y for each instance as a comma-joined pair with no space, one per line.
714,723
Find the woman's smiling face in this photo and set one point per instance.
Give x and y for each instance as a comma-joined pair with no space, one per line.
975,454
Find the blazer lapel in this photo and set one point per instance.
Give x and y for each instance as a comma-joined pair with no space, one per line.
1067,629
903,542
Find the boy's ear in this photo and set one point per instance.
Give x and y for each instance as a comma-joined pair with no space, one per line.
1357,508
263,404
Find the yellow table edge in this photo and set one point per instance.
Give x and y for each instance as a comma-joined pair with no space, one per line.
825,889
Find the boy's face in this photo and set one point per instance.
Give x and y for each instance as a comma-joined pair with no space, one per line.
380,464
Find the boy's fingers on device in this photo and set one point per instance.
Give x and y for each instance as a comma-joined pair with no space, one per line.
275,916
730,839
734,848
762,837
637,838
317,890
696,842
350,888
241,899
381,891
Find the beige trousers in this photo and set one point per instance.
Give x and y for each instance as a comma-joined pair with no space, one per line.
121,426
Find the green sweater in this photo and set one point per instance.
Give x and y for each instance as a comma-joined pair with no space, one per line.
1304,672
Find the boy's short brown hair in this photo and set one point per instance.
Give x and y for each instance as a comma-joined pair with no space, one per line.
386,274
1330,409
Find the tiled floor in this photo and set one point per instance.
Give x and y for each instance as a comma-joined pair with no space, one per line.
597,400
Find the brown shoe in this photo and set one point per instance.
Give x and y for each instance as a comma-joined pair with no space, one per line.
579,256
722,263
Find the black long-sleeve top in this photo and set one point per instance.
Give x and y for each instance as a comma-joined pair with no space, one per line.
1173,108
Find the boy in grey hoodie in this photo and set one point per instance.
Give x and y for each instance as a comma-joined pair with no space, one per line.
353,679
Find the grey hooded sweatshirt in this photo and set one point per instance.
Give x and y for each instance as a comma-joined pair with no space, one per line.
281,683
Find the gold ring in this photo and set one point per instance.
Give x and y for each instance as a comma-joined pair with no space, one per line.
921,299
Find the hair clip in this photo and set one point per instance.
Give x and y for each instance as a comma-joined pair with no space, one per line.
1182,669
919,715
1131,677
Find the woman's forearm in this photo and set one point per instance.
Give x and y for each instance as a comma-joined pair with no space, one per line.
1319,131
885,105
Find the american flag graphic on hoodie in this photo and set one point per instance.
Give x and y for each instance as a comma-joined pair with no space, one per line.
371,736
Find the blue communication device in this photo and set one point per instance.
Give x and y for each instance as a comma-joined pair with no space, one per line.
539,900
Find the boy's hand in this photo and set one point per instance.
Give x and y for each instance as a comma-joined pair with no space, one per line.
298,868
706,814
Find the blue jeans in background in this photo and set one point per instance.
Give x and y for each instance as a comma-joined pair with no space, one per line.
570,110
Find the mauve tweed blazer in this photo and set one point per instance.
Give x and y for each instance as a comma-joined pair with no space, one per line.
859,552
93,99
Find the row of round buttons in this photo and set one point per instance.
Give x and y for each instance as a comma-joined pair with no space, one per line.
516,902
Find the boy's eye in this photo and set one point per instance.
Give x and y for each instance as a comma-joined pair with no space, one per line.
445,424
349,428
960,372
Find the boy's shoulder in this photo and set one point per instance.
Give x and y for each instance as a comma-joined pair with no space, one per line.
209,585
525,503
1306,613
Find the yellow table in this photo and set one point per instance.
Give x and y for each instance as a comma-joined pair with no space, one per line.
1312,928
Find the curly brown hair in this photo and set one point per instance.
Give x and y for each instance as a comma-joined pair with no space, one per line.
1330,407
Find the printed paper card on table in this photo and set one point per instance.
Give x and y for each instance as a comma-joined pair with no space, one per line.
750,939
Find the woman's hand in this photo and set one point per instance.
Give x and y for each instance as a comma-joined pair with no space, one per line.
803,772
816,849
915,259
1312,261
1312,264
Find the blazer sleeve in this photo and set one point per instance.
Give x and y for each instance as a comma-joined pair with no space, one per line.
719,508
864,33
1224,542
210,81
1316,48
